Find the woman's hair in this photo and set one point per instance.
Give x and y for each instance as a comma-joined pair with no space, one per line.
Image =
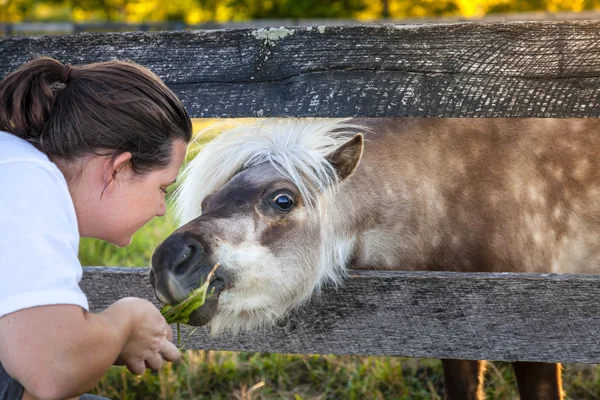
104,108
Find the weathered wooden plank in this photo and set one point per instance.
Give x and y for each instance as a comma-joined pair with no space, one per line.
516,69
528,317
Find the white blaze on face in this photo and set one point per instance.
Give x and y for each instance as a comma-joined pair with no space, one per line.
263,284
264,289
268,279
252,265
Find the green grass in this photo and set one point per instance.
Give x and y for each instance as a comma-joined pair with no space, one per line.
229,375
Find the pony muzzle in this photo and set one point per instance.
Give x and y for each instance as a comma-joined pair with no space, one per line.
180,265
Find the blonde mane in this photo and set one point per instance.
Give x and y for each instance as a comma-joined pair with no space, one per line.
295,147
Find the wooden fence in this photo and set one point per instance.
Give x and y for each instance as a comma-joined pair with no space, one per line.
504,69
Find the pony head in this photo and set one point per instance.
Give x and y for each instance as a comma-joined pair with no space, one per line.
257,201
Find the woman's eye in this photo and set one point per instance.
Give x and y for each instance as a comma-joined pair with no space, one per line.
283,201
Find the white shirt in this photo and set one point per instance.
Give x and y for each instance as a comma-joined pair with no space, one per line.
39,237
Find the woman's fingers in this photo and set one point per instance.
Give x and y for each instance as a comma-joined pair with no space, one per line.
136,367
154,362
170,352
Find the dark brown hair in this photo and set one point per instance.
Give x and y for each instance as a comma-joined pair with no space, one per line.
104,108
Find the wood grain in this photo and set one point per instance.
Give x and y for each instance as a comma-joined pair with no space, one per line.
508,69
503,316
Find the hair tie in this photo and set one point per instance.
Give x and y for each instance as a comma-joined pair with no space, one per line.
66,72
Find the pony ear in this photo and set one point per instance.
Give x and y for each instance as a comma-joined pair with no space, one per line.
346,157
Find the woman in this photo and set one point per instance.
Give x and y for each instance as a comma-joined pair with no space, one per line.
85,151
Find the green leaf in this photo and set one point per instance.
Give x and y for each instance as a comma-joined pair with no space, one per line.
180,313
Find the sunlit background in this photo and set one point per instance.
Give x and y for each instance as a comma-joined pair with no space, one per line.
222,11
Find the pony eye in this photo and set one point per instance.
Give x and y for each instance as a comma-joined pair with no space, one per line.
283,201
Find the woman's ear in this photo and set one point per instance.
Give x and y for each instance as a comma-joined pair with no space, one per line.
116,165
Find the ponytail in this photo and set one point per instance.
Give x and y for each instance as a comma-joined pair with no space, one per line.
27,97
105,108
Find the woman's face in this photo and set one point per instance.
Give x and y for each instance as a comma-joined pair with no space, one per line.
114,209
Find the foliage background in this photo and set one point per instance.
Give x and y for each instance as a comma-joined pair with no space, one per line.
199,11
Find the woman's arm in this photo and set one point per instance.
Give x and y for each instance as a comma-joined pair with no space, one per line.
62,351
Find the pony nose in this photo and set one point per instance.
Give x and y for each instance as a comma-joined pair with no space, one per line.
177,254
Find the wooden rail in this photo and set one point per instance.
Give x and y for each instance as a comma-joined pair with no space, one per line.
529,69
505,316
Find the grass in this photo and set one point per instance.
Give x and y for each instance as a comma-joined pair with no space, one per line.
245,376
228,375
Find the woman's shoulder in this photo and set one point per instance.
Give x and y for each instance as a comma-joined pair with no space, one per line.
15,149
37,187
16,153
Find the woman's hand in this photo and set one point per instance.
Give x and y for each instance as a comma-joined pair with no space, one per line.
80,346
150,341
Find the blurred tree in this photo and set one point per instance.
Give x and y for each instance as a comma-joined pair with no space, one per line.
258,9
517,6
195,11
543,5
423,8
109,10
210,6
10,9
385,8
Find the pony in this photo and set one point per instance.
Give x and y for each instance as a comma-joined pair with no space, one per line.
286,206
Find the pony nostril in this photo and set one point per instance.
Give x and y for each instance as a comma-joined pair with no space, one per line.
181,266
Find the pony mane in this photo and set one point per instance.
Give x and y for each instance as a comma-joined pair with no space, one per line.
295,147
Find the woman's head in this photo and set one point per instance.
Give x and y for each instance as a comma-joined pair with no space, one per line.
105,108
115,130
